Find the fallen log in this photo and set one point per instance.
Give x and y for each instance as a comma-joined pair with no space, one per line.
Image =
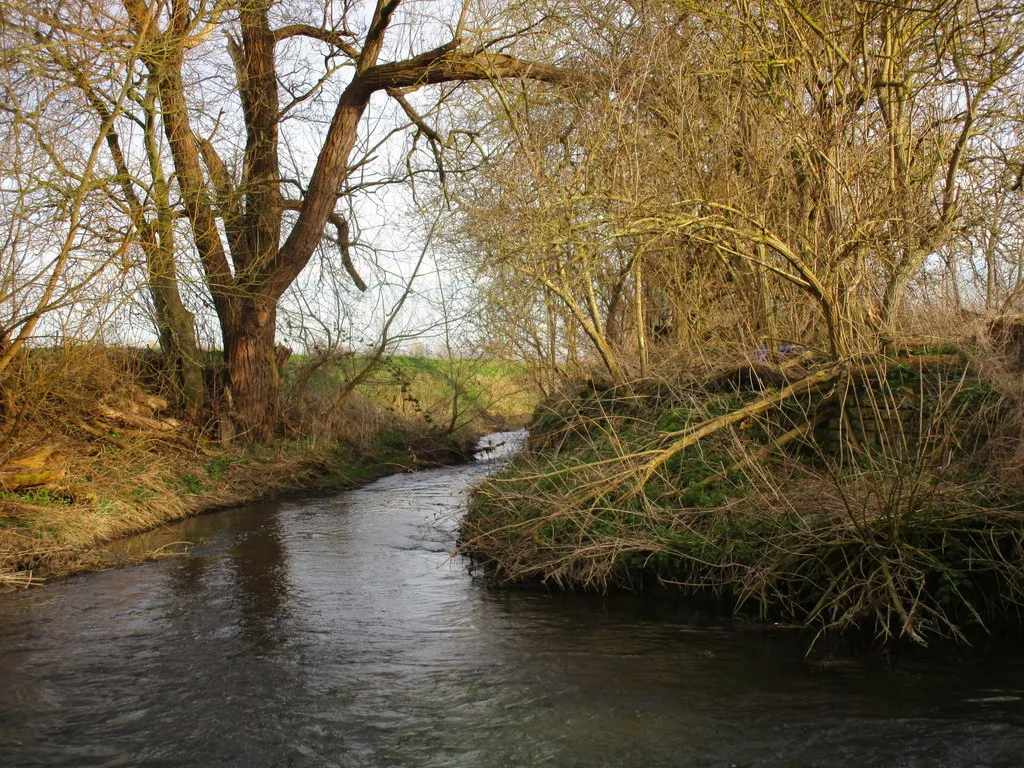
154,403
100,433
137,420
684,438
32,470
17,480
149,434
37,459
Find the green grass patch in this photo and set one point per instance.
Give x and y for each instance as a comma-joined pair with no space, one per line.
36,496
189,483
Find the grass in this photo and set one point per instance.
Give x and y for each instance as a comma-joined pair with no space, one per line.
125,483
461,397
911,536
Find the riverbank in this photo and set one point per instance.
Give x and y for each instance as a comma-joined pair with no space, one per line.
93,453
113,492
903,517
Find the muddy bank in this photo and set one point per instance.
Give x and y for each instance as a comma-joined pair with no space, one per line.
93,445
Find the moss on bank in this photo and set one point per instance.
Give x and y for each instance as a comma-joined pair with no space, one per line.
917,534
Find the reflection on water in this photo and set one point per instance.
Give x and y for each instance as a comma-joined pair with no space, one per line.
337,631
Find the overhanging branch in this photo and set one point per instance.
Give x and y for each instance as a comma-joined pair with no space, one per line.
343,242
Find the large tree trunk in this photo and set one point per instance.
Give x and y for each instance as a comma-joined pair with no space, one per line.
253,378
175,323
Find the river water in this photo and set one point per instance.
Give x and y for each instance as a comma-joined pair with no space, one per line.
337,631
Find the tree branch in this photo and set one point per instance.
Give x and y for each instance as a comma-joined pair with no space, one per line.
341,227
226,200
375,36
328,36
433,67
443,65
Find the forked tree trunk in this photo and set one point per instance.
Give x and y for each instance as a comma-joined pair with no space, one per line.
243,223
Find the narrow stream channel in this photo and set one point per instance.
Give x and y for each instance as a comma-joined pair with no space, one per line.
337,631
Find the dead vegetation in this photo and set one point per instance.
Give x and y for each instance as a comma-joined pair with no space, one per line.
873,494
780,250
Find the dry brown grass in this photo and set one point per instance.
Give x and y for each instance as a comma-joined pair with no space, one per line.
111,492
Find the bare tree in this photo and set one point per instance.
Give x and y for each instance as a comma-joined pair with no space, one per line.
750,175
148,211
249,253
59,250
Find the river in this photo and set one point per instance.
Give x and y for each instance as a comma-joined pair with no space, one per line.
336,630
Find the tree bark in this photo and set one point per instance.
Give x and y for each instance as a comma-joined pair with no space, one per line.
253,379
176,325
